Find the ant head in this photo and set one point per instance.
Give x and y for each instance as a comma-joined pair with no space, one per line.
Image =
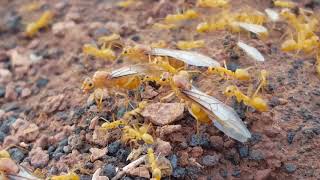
87,85
164,77
212,69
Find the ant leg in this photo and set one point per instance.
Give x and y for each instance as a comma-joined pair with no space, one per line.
258,88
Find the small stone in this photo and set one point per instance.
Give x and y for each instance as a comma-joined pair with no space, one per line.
236,173
114,147
135,38
75,142
89,165
256,155
163,147
163,113
5,76
94,122
174,161
19,58
67,149
113,26
2,91
210,160
53,103
12,22
25,92
263,174
168,129
41,82
17,155
109,170
11,94
216,142
290,137
183,158
179,172
61,28
271,132
102,31
9,166
233,156
200,140
140,172
64,142
2,136
30,133
97,153
73,16
196,152
57,156
290,168
100,137
243,151
38,158
255,138
10,140
123,154
223,173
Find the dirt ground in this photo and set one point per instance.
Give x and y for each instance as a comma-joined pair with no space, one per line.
44,112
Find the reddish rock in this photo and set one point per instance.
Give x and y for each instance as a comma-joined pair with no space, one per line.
42,141
19,123
271,132
168,129
61,28
196,152
11,93
140,172
162,147
149,93
184,158
38,157
163,113
10,140
19,58
94,122
97,153
25,92
100,136
29,133
5,76
263,174
53,103
217,142
8,166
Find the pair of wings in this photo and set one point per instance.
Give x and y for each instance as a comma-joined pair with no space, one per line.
223,116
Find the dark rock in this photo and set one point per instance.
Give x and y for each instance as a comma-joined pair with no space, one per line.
290,168
255,138
88,165
57,156
232,156
109,170
13,22
135,38
236,173
64,142
243,151
274,102
2,91
53,170
17,155
42,82
290,137
2,136
200,140
85,148
113,147
51,149
179,172
67,149
239,107
100,32
61,115
256,155
10,106
174,161
122,154
5,126
193,172
127,178
85,177
232,66
210,160
121,111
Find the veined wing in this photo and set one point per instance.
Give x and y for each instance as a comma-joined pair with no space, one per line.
272,14
251,51
224,117
137,69
188,57
254,28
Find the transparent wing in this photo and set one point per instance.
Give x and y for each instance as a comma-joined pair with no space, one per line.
224,117
251,51
272,14
151,69
188,57
254,28
23,174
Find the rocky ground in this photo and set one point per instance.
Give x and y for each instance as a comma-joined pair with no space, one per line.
47,124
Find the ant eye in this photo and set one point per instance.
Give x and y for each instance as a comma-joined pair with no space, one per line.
90,84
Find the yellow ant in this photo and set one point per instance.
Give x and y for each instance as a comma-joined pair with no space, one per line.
187,15
126,3
187,45
69,176
135,134
263,81
42,22
155,169
162,26
254,101
159,44
284,4
212,3
109,40
106,53
240,74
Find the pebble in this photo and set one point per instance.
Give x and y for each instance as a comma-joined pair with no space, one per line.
67,149
179,172
10,106
102,31
9,166
53,103
199,140
17,155
5,76
168,129
196,152
135,38
85,177
223,173
57,156
2,136
113,147
236,173
89,165
13,22
11,94
290,137
174,161
41,82
210,160
64,142
2,91
25,92
140,172
216,142
163,113
97,153
60,28
109,170
290,168
233,156
243,151
263,174
38,157
163,147
256,155
122,154
100,137
255,138
75,142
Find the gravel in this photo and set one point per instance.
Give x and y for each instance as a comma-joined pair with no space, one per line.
174,161
114,147
210,160
42,82
256,155
2,91
200,140
243,151
179,172
17,154
290,168
290,137
109,170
